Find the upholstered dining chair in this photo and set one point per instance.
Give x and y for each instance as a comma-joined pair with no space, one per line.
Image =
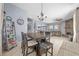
48,38
27,43
46,47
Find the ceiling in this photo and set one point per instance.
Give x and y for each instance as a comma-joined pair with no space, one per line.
51,10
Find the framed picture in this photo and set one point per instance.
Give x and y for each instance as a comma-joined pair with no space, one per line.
20,21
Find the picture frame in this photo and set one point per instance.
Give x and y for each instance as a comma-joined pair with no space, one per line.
20,21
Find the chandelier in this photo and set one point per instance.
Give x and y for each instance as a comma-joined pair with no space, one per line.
41,17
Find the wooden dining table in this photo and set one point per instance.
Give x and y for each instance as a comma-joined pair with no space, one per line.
37,37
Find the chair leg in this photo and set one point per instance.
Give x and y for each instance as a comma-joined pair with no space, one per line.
26,51
36,50
46,51
23,51
52,51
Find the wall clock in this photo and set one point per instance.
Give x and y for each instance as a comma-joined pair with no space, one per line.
20,21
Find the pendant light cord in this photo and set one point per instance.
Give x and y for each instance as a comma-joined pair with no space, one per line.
41,7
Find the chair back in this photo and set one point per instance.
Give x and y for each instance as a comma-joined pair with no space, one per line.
24,39
23,46
48,38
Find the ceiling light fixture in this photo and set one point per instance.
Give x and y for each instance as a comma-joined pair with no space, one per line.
41,17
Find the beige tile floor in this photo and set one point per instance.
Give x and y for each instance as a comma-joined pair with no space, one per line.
57,42
69,49
13,52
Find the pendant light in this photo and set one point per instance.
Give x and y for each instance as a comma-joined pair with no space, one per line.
41,17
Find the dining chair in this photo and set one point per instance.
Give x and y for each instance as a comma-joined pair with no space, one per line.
23,44
47,38
45,48
44,45
27,43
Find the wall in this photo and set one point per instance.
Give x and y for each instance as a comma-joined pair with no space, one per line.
63,27
15,13
69,26
77,25
1,19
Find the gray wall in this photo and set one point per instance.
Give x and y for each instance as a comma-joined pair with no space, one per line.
15,13
77,25
1,22
63,27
